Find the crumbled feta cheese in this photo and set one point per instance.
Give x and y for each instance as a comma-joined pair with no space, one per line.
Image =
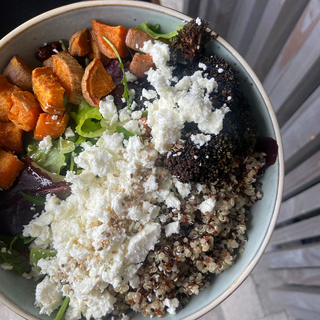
46,143
100,162
198,21
183,188
6,266
202,66
172,305
200,139
171,228
68,133
136,115
108,109
130,76
48,295
144,241
207,205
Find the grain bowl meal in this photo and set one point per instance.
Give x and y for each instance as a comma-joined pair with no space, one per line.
129,163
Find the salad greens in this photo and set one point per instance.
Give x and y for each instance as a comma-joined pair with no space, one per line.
35,199
15,253
154,31
54,158
62,309
87,121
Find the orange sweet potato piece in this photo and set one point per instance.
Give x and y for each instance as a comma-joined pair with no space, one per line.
50,125
11,137
96,83
136,38
95,51
6,88
116,35
79,43
10,168
25,110
69,72
140,64
18,73
48,90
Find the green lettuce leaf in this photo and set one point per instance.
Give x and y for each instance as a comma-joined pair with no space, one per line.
35,199
55,158
15,252
153,31
87,121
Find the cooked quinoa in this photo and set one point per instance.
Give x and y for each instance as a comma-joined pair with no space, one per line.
181,265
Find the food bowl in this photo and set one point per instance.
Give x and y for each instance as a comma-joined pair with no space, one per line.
16,292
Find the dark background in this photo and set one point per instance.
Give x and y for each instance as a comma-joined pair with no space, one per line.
15,12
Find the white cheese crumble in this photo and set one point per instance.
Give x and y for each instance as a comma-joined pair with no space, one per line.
183,188
48,295
6,266
200,139
172,305
171,228
207,205
68,133
45,143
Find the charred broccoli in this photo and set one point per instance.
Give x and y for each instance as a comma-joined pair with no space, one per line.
186,160
191,40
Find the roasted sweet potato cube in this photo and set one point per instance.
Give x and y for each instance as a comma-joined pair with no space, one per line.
10,168
96,83
50,125
6,88
69,72
79,43
48,90
11,137
95,52
115,34
136,38
18,73
140,64
25,110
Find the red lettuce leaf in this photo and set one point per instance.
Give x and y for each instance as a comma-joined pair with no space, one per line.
16,210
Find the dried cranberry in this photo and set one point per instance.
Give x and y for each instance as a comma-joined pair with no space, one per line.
45,52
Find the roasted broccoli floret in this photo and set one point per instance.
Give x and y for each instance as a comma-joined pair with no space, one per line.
191,40
189,162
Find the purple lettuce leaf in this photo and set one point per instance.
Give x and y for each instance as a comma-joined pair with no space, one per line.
16,210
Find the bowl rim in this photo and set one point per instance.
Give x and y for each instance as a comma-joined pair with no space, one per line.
162,9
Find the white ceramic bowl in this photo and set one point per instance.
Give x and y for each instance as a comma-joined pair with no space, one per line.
17,292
